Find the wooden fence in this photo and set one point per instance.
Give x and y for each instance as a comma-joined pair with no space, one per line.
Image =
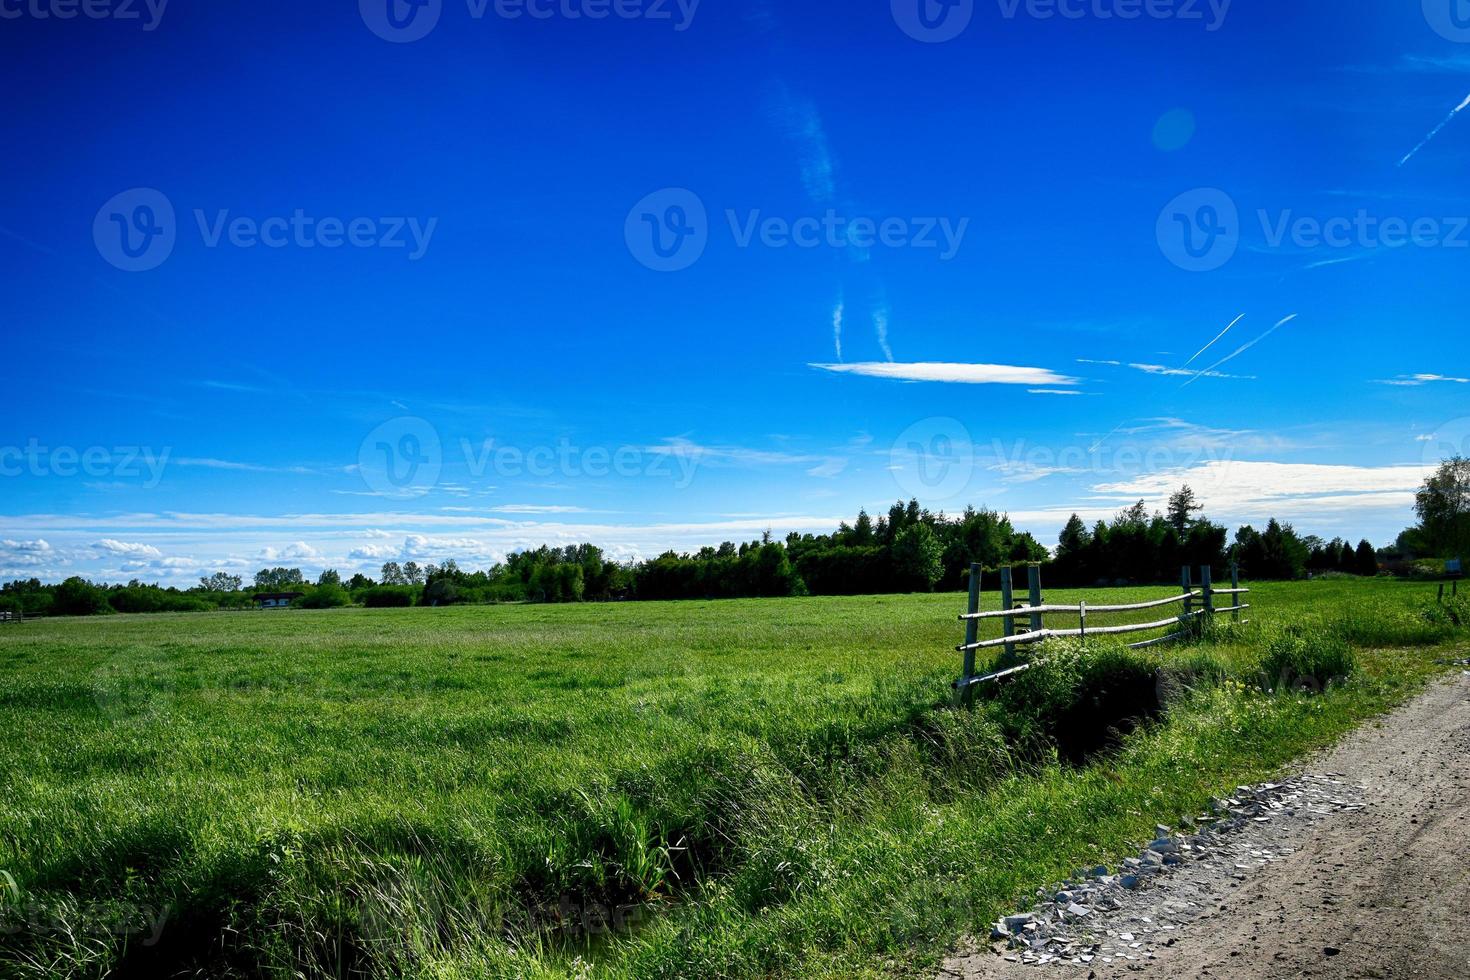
6,616
1035,608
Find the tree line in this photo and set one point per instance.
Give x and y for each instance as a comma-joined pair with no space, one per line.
908,549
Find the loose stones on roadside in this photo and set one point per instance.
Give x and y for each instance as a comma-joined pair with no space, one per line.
1100,915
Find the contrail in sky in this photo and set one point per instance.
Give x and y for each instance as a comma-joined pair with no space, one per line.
837,325
1216,340
1241,350
1435,132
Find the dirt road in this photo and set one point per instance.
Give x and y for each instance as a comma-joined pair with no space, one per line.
1377,892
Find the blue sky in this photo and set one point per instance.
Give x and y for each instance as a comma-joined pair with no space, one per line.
286,285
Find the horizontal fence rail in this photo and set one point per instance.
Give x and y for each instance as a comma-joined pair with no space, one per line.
1197,604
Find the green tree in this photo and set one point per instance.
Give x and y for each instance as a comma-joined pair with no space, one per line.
221,582
916,558
78,597
329,577
277,579
1443,507
1367,559
1183,505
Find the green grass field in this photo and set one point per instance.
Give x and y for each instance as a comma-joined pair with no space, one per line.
738,789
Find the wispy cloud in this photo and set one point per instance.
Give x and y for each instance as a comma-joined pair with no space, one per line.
1415,380
837,312
802,124
226,464
1173,372
1051,391
971,374
1436,130
536,509
880,324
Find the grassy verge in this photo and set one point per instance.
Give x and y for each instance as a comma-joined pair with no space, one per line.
769,788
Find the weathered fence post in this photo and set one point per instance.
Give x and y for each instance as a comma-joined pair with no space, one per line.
972,634
1033,582
1235,592
1188,587
1082,614
1441,592
1007,602
1207,586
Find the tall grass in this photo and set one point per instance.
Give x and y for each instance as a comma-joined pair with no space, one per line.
743,789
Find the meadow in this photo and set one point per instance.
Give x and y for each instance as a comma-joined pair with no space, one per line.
748,788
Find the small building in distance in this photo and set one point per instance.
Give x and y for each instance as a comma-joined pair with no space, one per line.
276,600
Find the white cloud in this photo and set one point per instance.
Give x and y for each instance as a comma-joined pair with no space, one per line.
1415,380
127,548
974,374
535,509
1172,372
1255,490
372,552
296,551
37,546
1050,391
226,464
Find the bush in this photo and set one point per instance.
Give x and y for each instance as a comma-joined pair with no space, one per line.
387,597
1306,658
441,592
1080,702
78,597
328,596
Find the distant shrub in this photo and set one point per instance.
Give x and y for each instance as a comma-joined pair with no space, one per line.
78,597
186,604
387,597
329,596
1306,657
441,592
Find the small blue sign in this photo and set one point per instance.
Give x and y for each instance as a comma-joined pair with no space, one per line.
1452,566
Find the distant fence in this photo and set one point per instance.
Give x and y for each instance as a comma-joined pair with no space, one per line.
1035,608
6,616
